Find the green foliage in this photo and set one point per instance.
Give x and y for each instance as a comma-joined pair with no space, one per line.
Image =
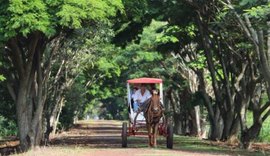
259,12
7,127
168,36
158,50
131,23
2,78
92,109
7,107
73,12
265,132
200,62
74,106
247,2
114,66
190,30
264,135
150,34
196,99
108,67
142,59
135,10
114,108
26,16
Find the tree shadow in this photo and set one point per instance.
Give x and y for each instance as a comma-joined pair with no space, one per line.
109,136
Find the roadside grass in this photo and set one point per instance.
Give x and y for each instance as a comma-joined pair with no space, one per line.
265,131
194,145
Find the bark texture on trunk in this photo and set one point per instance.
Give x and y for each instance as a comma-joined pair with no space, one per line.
28,84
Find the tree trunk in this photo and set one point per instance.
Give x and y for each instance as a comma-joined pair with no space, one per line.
192,123
178,129
23,117
28,87
216,126
56,120
29,120
56,94
228,121
198,122
250,134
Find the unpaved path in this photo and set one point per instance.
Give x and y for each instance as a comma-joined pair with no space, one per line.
103,138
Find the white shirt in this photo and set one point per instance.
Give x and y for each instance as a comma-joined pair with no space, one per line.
142,98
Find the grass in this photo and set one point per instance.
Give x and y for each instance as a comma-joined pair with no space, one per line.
194,144
265,131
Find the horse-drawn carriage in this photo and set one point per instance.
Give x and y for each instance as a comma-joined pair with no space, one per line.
155,123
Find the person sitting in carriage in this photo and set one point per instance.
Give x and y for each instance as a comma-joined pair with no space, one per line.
141,96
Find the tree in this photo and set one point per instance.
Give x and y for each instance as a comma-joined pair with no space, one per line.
26,30
141,58
255,26
130,24
232,71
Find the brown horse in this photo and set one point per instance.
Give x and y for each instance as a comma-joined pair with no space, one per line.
153,113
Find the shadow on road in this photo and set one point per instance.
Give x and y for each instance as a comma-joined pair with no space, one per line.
97,134
107,134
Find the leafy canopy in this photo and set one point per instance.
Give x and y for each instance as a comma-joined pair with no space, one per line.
50,16
2,78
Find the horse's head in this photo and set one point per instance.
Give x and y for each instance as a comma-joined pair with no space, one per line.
155,106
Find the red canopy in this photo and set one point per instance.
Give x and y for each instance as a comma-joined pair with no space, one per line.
145,80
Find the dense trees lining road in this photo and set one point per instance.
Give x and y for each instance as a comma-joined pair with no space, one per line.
63,60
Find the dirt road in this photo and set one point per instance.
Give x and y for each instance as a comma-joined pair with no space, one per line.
103,138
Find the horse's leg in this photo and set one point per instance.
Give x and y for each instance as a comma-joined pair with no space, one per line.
152,135
149,134
155,135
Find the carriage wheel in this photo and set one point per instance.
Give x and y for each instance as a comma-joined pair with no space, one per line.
124,134
170,136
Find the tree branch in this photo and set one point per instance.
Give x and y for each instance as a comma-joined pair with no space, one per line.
264,107
268,42
246,28
265,116
40,102
48,64
263,59
32,49
240,77
17,59
192,3
11,91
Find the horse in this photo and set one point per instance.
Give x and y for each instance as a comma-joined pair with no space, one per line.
153,112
